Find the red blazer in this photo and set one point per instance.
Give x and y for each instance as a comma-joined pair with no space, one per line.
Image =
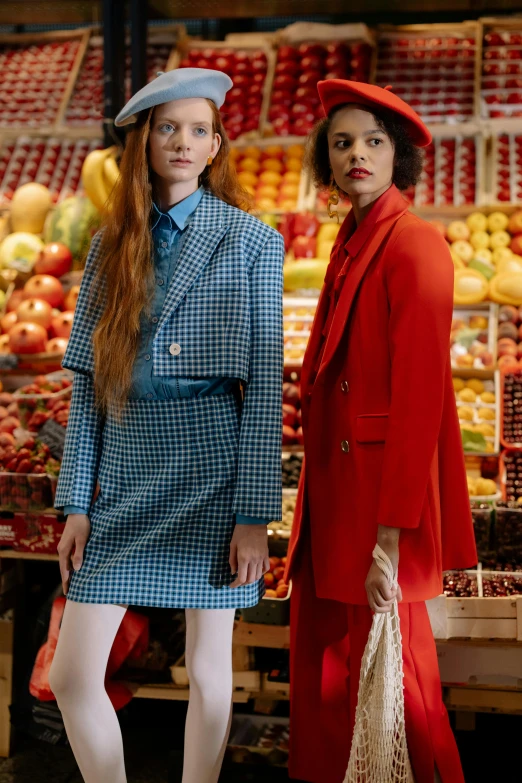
381,435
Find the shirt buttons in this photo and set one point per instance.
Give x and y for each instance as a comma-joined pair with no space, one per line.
175,349
160,281
147,357
345,388
345,446
150,396
164,244
155,319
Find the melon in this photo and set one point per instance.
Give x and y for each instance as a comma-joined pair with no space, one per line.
471,286
73,223
20,251
304,274
29,208
506,288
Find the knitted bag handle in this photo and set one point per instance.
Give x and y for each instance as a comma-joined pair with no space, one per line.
379,752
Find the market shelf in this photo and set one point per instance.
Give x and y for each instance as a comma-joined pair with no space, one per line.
12,554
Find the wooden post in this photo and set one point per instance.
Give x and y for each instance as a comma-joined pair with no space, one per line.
6,680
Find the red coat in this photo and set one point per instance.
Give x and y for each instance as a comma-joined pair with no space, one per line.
381,435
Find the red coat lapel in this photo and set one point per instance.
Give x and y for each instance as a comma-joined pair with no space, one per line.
361,248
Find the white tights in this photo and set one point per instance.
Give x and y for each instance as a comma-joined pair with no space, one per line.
77,679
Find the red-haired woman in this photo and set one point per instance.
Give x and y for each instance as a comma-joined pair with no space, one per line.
383,451
181,302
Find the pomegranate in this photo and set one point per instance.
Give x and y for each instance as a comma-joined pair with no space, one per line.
35,311
55,259
57,345
27,338
45,287
72,298
62,324
8,320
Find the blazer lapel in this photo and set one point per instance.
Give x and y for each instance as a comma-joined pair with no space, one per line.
203,234
358,267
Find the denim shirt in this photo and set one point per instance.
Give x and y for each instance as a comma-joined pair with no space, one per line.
167,229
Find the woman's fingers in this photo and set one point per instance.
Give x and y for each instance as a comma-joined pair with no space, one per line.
266,565
66,566
249,572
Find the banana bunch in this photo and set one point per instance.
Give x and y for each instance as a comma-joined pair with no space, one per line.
99,175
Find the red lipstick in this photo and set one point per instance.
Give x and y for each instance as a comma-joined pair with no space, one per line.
358,173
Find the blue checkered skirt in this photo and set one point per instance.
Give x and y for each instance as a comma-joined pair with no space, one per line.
162,524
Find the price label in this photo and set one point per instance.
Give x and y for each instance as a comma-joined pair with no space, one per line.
53,435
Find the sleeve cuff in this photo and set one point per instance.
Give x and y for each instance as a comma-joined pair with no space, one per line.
74,510
241,519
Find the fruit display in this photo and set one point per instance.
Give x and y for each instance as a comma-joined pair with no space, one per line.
294,103
512,409
507,166
482,487
283,528
432,71
53,163
460,584
86,104
39,533
472,340
501,88
24,474
247,68
512,476
47,397
478,414
34,81
298,316
501,585
482,515
73,223
292,429
508,529
271,174
274,581
509,345
450,176
291,466
99,175
465,584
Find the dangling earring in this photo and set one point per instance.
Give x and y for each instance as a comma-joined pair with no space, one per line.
333,200
210,160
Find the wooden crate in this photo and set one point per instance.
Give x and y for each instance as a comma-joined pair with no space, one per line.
31,39
476,618
506,136
250,43
403,80
509,31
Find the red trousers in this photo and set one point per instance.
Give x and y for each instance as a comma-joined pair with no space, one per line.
327,645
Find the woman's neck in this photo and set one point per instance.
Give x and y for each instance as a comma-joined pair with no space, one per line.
362,204
168,194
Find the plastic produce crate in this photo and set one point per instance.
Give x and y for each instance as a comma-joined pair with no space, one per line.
269,611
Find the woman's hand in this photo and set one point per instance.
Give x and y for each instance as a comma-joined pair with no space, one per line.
74,538
380,595
249,554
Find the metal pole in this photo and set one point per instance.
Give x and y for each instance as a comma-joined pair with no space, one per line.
114,65
138,15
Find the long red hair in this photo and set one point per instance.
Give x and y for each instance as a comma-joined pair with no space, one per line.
126,262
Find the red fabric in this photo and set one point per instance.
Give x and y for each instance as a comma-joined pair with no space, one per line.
327,645
389,341
131,642
335,92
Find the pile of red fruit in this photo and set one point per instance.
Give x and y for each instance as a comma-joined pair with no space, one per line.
40,315
508,170
295,105
247,68
42,400
502,74
24,474
510,335
274,579
299,230
292,429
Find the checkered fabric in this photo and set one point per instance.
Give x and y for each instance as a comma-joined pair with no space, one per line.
162,524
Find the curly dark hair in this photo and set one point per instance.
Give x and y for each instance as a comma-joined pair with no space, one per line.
407,164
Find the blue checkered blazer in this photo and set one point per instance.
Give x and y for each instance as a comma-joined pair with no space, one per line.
224,310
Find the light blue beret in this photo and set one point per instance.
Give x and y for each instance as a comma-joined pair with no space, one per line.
173,86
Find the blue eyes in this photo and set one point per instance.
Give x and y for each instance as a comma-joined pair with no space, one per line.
168,128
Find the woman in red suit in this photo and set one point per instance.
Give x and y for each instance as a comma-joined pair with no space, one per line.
383,453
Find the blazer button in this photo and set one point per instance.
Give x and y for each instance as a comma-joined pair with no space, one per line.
175,349
345,388
345,446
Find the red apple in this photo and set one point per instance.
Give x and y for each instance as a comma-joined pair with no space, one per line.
72,298
306,224
57,345
62,324
299,436
304,247
55,259
507,347
287,53
288,436
27,338
516,245
35,311
45,287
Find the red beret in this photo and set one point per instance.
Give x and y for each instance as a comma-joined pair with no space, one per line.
334,92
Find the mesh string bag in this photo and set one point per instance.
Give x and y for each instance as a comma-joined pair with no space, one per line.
379,752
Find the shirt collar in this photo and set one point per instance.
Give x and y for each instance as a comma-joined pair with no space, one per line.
390,203
176,218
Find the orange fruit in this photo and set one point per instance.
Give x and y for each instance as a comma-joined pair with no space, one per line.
287,205
289,191
294,164
291,177
267,191
295,151
266,204
248,164
252,152
272,164
270,178
247,178
273,151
